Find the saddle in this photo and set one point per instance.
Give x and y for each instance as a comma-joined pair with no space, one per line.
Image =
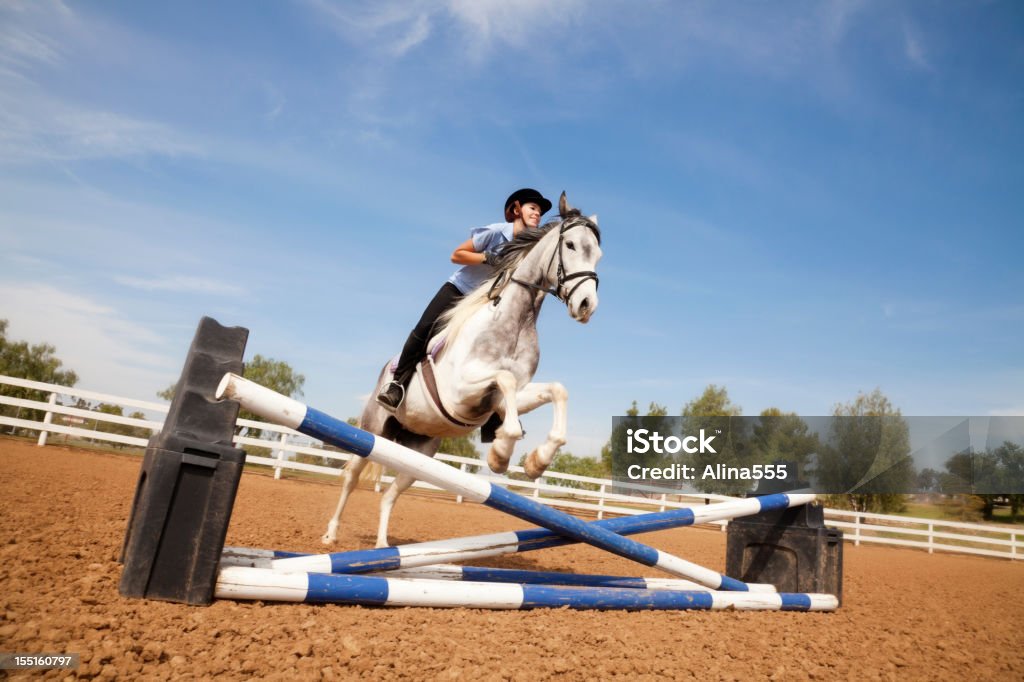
488,429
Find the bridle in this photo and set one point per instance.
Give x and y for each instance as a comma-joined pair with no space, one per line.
561,278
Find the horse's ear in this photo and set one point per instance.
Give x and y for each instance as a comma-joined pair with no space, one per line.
593,219
563,206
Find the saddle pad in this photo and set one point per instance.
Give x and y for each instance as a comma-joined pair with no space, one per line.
432,351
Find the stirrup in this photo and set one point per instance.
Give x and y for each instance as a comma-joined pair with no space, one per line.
384,396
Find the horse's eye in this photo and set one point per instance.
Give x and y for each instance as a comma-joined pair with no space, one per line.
570,246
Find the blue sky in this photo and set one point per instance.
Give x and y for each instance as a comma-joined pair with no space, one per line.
799,201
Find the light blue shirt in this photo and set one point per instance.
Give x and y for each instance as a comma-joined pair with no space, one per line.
469,277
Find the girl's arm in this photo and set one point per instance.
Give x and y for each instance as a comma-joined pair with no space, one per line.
465,254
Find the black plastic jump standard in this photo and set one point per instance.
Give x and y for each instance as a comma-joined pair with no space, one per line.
189,478
789,548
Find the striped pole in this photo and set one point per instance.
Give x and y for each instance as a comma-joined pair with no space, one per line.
311,422
267,585
265,558
484,574
495,544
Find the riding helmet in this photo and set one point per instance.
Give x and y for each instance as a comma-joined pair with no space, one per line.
525,196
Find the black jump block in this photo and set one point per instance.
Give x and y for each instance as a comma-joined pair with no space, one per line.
789,548
189,478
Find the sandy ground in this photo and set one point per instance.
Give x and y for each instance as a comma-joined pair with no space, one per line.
906,615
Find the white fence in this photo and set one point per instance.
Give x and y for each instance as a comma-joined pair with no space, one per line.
580,493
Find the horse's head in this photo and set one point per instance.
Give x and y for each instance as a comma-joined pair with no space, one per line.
575,261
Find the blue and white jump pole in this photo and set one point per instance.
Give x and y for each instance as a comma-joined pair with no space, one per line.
265,558
267,585
495,544
484,574
286,411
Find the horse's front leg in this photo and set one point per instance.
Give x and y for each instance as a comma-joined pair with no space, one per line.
510,430
530,398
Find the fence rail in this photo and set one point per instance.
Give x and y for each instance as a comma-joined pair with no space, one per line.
553,488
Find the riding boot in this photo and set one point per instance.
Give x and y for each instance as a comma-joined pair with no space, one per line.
394,392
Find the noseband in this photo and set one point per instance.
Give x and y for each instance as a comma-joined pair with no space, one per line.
561,278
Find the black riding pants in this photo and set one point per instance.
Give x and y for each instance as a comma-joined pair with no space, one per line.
415,348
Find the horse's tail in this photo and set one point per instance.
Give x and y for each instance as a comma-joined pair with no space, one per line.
371,473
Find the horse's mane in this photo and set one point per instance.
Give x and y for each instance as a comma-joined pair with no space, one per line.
511,255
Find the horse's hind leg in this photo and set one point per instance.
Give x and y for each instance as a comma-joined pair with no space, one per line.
387,503
426,445
349,480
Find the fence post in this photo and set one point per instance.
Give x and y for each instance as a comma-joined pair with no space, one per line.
458,498
856,531
600,502
664,496
46,420
931,538
536,490
1013,546
280,456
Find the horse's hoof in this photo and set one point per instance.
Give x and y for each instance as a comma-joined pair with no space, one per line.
534,469
497,465
327,540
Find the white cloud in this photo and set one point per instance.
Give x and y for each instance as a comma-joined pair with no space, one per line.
836,18
108,352
914,48
417,33
1009,412
395,28
519,23
37,127
181,284
20,47
40,39
398,27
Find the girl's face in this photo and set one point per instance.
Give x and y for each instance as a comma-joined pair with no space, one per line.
530,213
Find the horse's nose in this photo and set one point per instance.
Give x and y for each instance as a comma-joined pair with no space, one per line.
583,310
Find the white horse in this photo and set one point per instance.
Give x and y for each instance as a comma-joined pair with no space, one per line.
489,357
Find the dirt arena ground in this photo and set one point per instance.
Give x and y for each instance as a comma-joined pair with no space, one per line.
906,615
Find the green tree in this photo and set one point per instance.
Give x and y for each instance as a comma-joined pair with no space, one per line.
654,411
276,375
36,362
568,463
868,454
961,507
715,414
1011,459
928,480
990,477
784,437
460,446
120,429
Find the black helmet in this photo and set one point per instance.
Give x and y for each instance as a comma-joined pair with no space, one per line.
525,196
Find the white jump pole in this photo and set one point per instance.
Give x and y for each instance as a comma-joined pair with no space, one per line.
286,411
267,585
